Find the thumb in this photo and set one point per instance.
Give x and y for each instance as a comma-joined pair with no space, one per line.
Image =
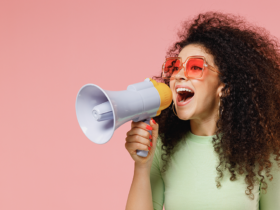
155,126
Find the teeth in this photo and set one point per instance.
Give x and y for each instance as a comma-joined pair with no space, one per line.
183,89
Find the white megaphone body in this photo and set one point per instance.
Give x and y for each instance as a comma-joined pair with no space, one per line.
100,112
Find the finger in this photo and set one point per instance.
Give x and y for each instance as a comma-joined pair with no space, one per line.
132,147
138,139
155,127
142,125
140,132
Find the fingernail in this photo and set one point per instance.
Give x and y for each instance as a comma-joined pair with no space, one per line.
153,121
151,144
150,137
149,127
149,148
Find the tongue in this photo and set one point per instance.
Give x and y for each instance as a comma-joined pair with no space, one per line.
184,96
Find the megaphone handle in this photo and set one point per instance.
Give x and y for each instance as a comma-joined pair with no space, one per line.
144,153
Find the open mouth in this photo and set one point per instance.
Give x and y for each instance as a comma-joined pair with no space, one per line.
184,94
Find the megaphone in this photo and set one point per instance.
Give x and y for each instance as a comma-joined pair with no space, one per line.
100,112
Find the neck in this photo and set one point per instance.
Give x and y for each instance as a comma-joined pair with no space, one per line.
204,127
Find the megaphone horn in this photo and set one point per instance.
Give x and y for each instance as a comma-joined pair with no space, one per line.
100,112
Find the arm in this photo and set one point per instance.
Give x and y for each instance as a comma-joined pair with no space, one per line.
140,194
152,190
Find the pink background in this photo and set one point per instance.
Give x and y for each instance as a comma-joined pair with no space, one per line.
48,51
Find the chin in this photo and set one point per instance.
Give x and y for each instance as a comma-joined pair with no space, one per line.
183,116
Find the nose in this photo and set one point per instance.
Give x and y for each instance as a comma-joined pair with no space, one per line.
180,75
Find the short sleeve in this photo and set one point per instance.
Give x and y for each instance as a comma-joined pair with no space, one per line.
271,200
157,183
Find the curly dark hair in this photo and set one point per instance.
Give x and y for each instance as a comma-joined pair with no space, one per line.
249,59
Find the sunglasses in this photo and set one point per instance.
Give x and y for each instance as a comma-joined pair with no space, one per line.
193,67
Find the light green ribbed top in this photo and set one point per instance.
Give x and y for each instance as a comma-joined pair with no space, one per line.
189,182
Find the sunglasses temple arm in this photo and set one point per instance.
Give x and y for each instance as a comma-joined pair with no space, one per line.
213,69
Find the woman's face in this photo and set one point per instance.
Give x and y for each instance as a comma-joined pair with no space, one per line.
204,103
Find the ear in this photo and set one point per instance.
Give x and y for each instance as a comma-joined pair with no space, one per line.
226,93
219,90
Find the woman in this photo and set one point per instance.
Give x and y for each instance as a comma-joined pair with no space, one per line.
219,141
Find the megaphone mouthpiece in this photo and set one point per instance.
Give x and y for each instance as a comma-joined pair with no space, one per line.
165,95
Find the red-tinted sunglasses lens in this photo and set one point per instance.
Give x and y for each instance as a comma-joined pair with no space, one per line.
171,66
194,67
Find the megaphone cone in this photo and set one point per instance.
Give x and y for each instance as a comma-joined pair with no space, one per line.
100,112
88,97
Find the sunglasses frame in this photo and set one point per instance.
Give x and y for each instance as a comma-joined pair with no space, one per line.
183,65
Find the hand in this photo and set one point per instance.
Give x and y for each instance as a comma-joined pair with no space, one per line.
138,138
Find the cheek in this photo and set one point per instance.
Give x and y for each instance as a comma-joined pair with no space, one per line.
204,89
171,83
172,87
205,92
